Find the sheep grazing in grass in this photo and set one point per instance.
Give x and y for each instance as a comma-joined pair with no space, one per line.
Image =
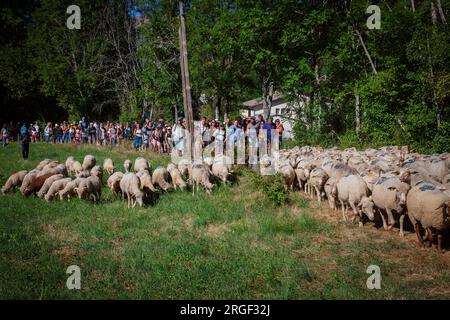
184,166
50,165
14,181
97,171
76,167
127,164
56,186
428,208
130,187
288,174
83,174
69,189
26,188
58,169
89,162
146,181
47,184
69,165
175,176
160,177
43,163
114,182
108,165
141,164
91,186
200,176
220,170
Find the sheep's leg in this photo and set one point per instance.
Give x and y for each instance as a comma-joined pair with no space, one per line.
391,220
344,218
402,218
385,227
439,242
319,195
417,229
355,211
429,237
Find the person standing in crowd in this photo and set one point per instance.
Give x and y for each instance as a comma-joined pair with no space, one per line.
178,132
280,129
78,134
127,131
34,134
84,123
48,132
25,139
137,133
102,135
91,133
5,135
269,126
112,134
72,129
119,133
233,133
58,134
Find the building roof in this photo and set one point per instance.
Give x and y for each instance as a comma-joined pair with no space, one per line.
257,104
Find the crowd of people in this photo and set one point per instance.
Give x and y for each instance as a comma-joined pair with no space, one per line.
148,134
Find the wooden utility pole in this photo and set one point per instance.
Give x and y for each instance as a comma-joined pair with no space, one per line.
187,101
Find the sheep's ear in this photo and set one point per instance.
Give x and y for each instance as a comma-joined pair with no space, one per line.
359,204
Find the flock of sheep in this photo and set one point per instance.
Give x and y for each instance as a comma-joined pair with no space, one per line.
391,181
51,178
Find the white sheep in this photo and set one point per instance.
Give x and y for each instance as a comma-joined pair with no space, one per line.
141,164
350,190
220,170
108,165
160,177
200,176
47,184
130,187
428,207
69,165
175,175
14,181
97,171
83,174
127,165
89,162
56,187
43,163
69,189
76,167
114,182
91,186
146,181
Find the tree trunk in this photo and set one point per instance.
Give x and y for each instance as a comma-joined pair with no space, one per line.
441,12
413,6
267,90
433,13
357,114
187,102
176,113
366,51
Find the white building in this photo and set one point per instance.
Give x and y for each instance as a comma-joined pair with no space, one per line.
279,110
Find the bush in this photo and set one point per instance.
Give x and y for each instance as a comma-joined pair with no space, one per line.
272,186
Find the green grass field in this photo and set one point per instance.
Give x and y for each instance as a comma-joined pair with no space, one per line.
231,244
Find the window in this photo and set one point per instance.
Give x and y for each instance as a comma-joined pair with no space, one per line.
277,111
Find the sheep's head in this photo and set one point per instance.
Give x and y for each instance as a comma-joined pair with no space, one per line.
81,191
367,207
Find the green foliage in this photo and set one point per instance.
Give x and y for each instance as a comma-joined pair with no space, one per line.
272,186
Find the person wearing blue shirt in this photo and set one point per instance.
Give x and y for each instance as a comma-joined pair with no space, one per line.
234,131
269,125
